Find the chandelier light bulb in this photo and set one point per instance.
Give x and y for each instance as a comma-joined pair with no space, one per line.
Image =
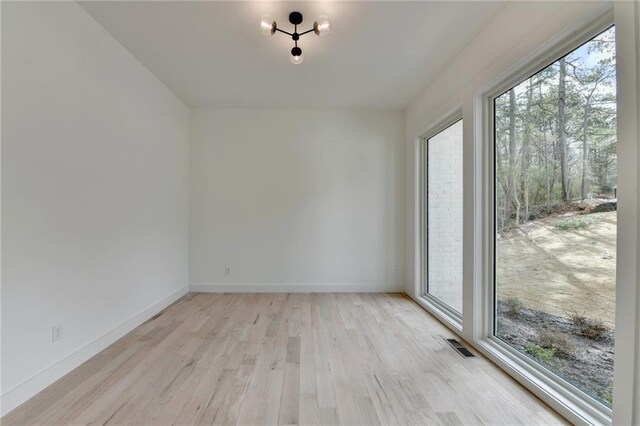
296,56
267,25
322,26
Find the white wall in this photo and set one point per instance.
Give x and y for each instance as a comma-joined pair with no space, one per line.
296,200
95,193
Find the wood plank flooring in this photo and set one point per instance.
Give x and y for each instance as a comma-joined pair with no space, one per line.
250,359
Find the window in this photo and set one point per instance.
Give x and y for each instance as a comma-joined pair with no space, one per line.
555,216
443,216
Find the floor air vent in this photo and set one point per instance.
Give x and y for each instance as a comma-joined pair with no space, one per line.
460,348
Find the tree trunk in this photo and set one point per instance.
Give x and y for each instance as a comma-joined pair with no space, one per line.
546,156
585,152
562,137
512,194
524,165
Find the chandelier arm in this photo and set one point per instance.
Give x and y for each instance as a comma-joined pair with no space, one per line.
284,32
306,32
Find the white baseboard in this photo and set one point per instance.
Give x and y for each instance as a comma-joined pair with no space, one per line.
21,393
295,288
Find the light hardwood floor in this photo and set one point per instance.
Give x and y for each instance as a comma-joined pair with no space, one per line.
286,359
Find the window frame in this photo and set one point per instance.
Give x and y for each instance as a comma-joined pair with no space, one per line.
441,310
569,400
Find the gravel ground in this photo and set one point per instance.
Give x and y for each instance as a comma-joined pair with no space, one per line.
590,366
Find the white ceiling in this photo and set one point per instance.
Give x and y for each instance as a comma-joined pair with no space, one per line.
212,54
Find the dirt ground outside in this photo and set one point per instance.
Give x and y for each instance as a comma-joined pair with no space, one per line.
561,272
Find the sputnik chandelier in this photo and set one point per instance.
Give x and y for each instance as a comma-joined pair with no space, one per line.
321,27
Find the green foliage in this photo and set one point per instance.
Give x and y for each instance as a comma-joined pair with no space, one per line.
607,396
561,343
575,222
545,355
514,306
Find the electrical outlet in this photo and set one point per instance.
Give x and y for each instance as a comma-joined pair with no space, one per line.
56,333
227,270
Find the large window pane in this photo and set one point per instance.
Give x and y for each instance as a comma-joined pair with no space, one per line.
444,216
555,212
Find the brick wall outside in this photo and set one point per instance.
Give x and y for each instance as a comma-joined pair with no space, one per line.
444,205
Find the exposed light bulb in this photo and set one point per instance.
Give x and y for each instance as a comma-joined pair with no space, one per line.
322,26
267,25
296,56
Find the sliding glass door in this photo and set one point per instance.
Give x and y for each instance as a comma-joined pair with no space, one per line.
555,216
